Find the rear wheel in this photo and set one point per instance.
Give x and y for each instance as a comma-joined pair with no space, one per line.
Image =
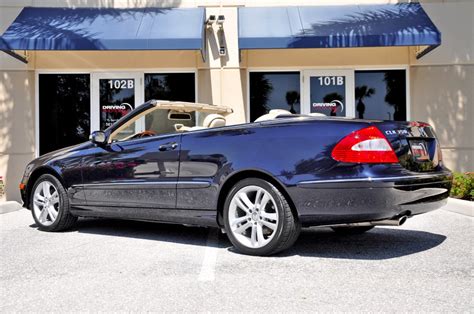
351,230
49,205
258,219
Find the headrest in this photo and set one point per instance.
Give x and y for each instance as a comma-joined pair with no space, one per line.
273,114
213,120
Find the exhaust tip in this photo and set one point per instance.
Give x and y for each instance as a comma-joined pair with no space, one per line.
402,220
395,221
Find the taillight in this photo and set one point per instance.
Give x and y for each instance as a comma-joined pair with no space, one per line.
419,124
367,145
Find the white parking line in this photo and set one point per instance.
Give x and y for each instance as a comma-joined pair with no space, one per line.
210,256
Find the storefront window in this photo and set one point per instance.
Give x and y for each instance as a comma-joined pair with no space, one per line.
274,90
64,109
380,95
170,86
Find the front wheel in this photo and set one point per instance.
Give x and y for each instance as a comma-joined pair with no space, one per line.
258,219
49,205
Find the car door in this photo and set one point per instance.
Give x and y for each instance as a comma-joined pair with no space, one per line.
136,173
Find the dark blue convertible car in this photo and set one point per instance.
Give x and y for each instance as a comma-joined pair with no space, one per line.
259,182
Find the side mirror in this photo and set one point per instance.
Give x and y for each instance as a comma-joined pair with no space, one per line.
98,137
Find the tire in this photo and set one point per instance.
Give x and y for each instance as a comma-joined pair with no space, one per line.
266,228
351,230
55,217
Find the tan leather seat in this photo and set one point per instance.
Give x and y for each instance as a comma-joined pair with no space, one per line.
212,120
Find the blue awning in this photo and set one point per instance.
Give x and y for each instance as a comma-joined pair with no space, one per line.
405,24
105,29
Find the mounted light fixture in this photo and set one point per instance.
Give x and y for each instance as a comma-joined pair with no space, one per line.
220,20
220,32
222,51
210,20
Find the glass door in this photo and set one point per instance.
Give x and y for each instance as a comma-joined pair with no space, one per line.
113,96
63,109
330,92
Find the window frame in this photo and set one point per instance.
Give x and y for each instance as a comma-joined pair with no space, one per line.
407,82
328,69
37,107
269,70
349,87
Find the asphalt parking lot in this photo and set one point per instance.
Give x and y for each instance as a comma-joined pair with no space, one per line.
110,265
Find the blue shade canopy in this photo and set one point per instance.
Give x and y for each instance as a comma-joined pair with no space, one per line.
105,29
405,24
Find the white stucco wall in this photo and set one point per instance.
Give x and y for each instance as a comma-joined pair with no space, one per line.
442,82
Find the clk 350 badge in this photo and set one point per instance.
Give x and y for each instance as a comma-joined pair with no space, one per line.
395,132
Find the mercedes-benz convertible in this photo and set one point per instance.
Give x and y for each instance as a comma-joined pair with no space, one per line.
258,182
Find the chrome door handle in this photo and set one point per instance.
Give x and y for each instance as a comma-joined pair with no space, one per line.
168,146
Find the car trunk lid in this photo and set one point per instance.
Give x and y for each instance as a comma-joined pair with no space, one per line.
415,144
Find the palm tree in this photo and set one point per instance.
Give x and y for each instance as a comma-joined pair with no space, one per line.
362,92
292,98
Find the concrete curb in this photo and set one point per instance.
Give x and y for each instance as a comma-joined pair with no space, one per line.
10,206
460,206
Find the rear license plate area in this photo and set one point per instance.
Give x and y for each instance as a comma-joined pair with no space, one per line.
419,150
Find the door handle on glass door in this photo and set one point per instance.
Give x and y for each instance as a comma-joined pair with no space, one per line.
168,146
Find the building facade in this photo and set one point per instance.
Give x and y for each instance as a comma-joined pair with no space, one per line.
59,97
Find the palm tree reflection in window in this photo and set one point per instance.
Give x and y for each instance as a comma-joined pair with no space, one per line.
381,92
292,98
361,93
262,87
170,86
396,93
331,97
273,90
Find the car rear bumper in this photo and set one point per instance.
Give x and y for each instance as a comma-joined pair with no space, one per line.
335,201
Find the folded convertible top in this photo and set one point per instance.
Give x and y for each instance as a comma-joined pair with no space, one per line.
191,106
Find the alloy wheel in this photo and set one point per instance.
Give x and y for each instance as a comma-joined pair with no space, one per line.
46,203
253,216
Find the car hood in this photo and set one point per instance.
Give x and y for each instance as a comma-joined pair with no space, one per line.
60,153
